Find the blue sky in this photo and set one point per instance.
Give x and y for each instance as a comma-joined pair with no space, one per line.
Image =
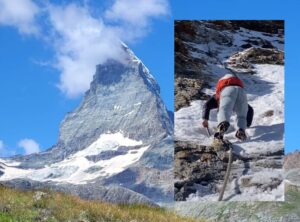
34,98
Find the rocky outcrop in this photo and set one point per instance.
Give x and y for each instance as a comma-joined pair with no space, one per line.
201,169
243,61
189,73
271,26
187,90
198,165
292,171
292,161
287,211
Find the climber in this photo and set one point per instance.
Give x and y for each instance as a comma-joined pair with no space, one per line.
230,96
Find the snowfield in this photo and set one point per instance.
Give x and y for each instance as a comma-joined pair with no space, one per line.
77,168
265,134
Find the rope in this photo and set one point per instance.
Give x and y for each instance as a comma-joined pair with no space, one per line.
226,175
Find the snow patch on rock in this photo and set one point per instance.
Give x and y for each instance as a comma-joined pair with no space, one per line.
74,169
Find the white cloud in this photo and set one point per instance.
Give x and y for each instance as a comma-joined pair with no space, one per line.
137,12
135,15
29,146
82,40
20,14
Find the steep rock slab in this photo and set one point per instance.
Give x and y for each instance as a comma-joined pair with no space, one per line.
198,168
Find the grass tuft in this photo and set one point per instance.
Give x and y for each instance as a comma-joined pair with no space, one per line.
27,206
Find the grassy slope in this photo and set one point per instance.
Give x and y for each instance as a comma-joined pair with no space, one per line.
20,206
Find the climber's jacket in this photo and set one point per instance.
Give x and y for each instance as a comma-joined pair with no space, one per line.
212,103
227,80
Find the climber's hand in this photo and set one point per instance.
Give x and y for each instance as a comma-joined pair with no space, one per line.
205,123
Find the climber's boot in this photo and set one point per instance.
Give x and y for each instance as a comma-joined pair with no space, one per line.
241,134
218,142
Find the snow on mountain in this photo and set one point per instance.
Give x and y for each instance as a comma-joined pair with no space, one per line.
120,130
212,50
78,169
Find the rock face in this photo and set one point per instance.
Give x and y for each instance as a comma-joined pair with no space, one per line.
287,211
120,130
292,171
266,26
189,79
292,161
204,52
201,169
198,166
243,61
186,90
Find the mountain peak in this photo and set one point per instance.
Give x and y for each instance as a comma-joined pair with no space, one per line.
123,96
112,71
120,130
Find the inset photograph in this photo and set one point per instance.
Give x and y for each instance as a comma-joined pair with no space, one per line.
229,110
